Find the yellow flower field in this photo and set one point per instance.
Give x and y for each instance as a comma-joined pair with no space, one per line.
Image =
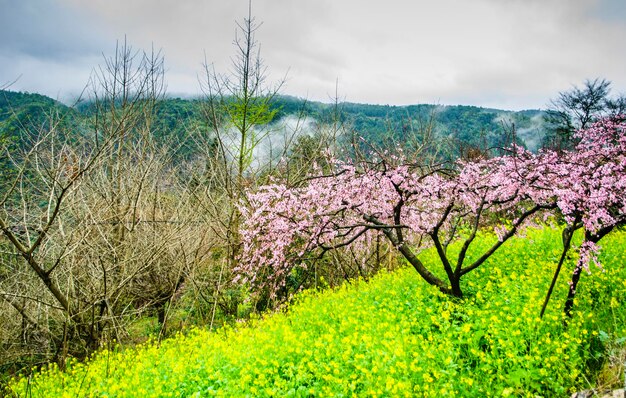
393,336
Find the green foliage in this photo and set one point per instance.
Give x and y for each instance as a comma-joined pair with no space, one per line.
393,336
248,115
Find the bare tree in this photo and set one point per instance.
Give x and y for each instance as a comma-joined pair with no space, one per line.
33,205
97,227
239,109
577,109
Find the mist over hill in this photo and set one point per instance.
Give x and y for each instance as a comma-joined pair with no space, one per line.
470,125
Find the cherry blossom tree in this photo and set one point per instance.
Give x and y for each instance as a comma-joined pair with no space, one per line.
416,207
590,189
412,207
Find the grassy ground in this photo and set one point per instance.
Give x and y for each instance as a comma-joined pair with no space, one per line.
392,336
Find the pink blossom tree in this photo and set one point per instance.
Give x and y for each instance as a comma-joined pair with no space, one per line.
412,207
416,207
590,190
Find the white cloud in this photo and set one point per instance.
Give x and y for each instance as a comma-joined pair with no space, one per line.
496,53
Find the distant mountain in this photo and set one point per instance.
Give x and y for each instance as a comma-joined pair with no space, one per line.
467,126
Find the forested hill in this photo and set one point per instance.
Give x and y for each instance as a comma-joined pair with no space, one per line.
28,112
466,124
23,117
379,124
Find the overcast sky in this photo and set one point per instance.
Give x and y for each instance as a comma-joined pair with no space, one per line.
508,54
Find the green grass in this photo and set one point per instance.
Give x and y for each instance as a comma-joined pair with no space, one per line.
392,336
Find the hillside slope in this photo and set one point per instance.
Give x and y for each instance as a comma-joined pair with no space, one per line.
391,336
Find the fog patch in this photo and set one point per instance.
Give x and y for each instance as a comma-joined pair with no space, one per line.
505,118
279,138
533,135
270,143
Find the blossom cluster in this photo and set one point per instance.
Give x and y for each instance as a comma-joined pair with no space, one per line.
591,180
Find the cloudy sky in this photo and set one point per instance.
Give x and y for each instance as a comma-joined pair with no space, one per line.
510,54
